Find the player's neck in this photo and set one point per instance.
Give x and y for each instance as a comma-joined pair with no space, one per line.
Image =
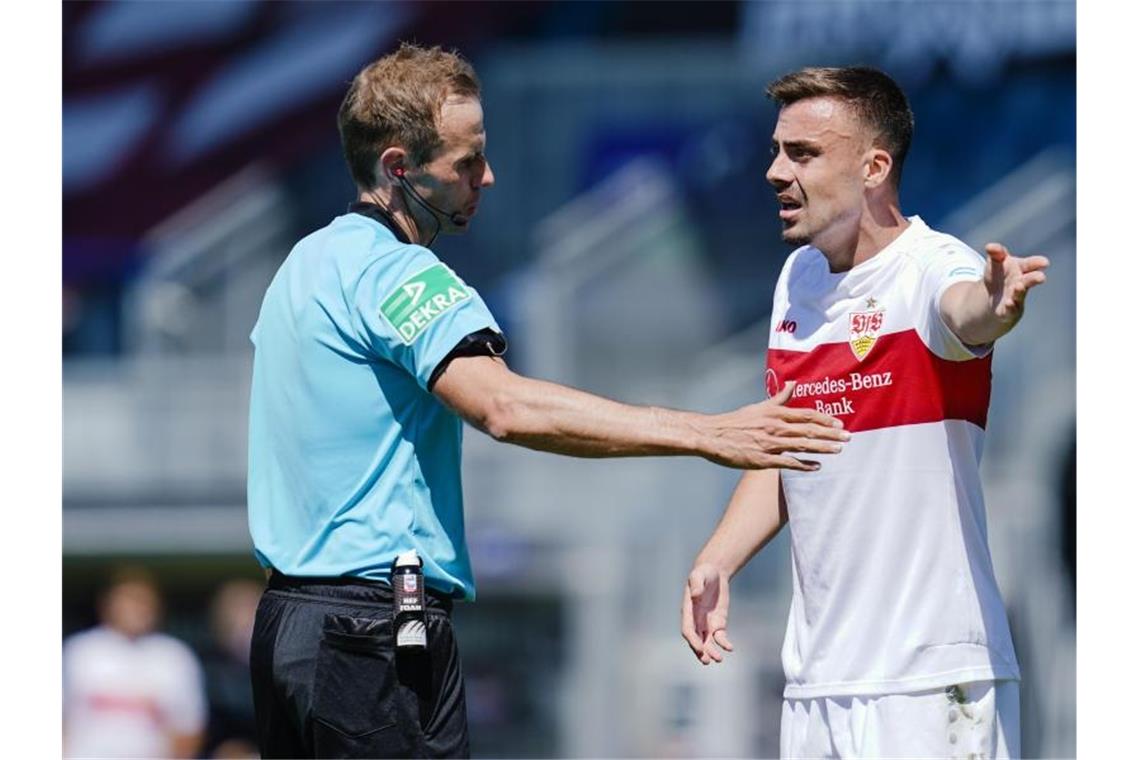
131,634
877,227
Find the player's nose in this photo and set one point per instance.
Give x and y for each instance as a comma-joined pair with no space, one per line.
779,174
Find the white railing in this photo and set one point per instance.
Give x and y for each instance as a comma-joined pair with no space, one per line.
207,269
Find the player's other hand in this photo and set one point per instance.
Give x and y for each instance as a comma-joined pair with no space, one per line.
1008,279
764,435
704,613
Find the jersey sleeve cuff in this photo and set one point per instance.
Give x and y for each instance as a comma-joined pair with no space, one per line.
958,349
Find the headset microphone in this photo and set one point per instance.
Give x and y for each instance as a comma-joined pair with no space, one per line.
456,218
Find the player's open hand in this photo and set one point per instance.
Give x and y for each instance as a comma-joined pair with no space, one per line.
704,613
1008,279
759,436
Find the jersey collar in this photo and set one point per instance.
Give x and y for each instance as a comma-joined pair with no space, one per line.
378,214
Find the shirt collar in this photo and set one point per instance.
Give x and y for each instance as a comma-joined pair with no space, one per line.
379,214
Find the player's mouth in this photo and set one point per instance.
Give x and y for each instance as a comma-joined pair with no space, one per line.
789,207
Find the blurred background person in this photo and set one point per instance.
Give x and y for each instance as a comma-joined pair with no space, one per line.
130,691
231,731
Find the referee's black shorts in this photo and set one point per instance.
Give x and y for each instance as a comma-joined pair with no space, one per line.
327,681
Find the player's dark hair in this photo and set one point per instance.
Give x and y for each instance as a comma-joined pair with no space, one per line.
123,575
396,101
874,97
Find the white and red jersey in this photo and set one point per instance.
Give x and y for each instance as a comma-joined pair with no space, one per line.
125,697
893,586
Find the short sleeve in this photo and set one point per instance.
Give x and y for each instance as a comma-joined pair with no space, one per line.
415,309
779,300
780,303
951,264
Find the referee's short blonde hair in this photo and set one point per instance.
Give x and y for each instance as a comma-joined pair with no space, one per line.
396,100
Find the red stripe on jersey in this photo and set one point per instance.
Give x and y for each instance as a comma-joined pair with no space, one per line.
110,702
899,382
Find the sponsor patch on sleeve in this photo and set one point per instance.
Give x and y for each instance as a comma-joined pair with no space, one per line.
421,299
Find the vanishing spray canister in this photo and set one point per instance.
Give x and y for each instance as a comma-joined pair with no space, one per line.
408,585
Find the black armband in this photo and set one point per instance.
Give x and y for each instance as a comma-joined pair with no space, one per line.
485,342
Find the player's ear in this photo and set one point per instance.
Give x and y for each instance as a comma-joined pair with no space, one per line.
877,165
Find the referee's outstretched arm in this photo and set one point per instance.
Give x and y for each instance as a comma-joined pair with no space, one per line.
550,417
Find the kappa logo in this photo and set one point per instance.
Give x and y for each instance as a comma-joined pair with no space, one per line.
864,329
421,299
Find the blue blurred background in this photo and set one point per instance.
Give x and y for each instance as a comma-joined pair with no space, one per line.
629,247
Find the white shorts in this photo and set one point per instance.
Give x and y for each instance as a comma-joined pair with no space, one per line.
971,721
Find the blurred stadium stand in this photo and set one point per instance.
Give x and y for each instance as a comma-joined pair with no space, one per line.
629,247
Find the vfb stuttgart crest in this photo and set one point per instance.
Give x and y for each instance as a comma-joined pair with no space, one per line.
865,326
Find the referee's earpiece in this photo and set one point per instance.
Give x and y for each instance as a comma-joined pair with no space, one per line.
398,172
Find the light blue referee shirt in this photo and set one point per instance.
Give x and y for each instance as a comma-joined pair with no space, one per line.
351,459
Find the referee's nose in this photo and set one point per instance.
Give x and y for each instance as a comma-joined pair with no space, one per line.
488,178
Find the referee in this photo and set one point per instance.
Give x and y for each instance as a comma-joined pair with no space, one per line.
369,354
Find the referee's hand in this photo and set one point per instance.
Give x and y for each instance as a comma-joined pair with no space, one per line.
704,613
764,435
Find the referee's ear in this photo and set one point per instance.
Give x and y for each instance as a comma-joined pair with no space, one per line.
392,160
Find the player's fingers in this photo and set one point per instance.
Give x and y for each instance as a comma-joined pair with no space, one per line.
1033,279
997,252
696,583
1034,263
695,646
712,652
689,631
686,614
721,638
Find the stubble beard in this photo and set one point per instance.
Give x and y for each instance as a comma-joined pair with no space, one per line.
795,239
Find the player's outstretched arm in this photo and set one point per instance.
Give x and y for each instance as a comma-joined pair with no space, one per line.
753,517
551,417
983,311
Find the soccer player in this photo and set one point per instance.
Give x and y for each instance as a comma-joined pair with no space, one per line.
129,690
369,353
897,641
